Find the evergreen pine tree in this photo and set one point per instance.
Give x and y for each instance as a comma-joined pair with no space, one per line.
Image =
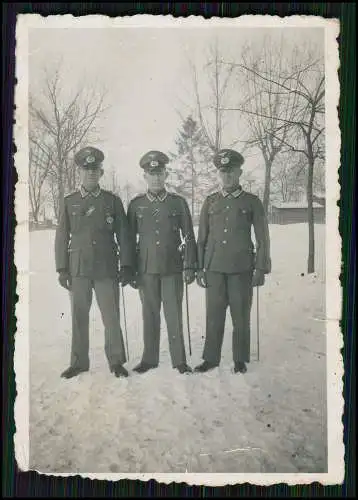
191,172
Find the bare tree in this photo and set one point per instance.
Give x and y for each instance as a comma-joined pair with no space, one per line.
302,131
40,163
126,190
308,139
288,179
66,122
319,177
53,191
267,110
210,110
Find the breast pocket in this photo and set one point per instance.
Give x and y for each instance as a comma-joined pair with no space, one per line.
243,218
216,213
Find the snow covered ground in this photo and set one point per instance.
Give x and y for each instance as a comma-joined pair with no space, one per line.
272,419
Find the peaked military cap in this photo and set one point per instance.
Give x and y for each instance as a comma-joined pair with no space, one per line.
227,158
89,157
153,161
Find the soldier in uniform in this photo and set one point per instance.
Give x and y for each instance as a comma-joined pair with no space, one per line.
227,266
158,221
87,258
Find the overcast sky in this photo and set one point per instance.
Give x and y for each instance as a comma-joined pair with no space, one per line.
146,73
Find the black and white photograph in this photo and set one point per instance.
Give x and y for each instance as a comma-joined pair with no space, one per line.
177,249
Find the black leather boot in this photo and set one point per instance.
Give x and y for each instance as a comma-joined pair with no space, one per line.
205,367
184,368
143,367
240,366
119,371
73,371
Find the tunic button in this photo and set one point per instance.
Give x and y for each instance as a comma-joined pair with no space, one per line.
157,231
224,242
227,207
94,242
157,220
157,242
225,230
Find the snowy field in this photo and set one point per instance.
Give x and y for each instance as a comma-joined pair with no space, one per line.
272,419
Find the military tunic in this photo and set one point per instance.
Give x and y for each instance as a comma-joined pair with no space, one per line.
227,254
157,225
86,248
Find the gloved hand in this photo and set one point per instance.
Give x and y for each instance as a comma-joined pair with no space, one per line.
125,275
64,279
201,279
189,276
258,278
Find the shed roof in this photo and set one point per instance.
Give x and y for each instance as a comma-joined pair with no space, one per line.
295,205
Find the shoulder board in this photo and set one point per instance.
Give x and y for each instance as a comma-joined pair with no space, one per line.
71,194
251,195
212,195
110,193
137,197
175,195
178,198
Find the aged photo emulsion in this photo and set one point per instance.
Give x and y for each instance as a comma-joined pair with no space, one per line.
178,249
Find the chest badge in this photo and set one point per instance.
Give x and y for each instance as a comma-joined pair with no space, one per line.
109,219
90,211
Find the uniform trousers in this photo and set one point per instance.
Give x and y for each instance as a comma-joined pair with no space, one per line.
107,295
154,290
235,291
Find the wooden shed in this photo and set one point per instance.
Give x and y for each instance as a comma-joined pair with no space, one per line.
296,213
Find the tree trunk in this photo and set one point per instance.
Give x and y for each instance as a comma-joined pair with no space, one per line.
74,180
61,190
55,183
61,187
35,199
35,214
33,205
192,192
266,197
55,202
311,239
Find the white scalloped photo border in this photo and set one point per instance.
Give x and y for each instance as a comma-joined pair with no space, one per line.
335,368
